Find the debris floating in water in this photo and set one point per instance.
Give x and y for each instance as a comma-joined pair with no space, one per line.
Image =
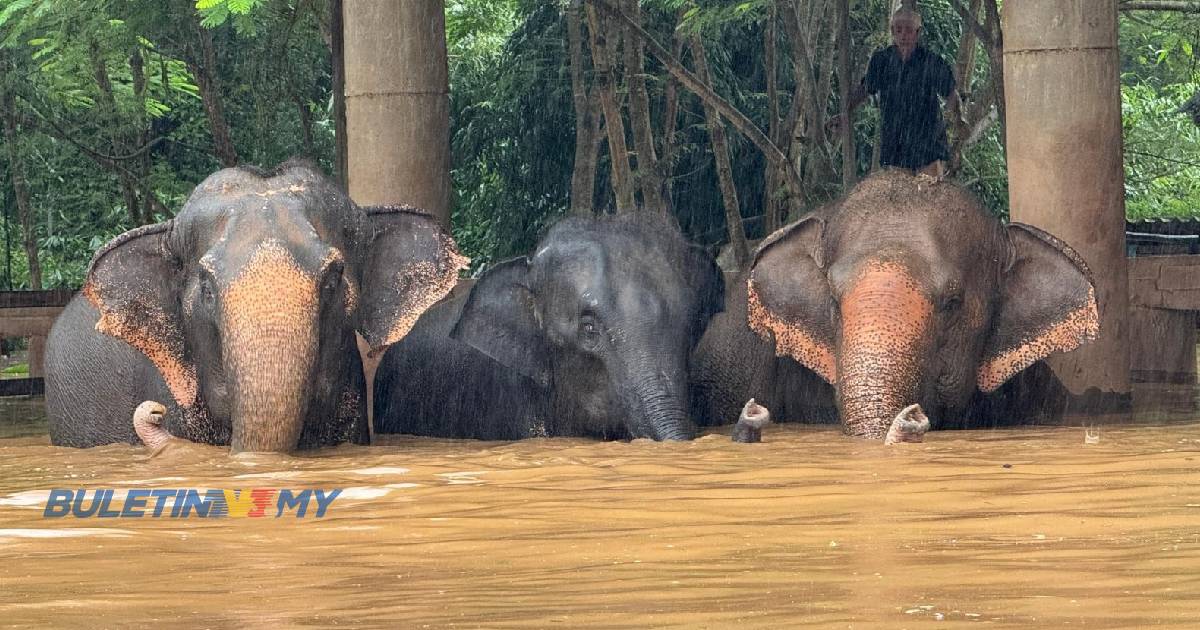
1091,437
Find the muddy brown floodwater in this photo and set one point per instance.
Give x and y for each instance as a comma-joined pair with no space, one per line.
1026,527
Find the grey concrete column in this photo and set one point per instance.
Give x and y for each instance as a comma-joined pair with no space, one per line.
398,103
1062,82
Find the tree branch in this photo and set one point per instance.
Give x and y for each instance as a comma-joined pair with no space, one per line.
1159,5
112,162
739,120
968,18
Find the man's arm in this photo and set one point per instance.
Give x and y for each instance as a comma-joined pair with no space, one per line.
861,90
857,96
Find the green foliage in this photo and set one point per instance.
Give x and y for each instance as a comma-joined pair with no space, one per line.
269,75
218,12
1159,74
512,115
1162,170
512,128
16,369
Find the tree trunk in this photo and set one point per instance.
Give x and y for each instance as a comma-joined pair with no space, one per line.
618,152
16,169
964,70
141,164
707,96
770,173
849,161
306,125
108,114
666,158
647,175
720,149
583,174
204,71
996,61
802,61
337,58
805,123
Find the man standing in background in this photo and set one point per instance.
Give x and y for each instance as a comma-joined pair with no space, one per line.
909,80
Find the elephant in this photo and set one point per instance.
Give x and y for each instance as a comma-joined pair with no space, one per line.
904,291
589,336
241,315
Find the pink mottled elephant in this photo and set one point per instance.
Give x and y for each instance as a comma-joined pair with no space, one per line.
905,291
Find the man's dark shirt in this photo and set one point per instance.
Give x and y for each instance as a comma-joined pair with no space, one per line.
913,133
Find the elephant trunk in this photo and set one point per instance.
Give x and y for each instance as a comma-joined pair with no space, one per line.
885,324
270,352
660,402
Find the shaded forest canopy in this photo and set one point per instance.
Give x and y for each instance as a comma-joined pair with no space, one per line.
114,109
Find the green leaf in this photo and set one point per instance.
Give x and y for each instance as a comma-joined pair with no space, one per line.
215,16
244,25
241,7
13,8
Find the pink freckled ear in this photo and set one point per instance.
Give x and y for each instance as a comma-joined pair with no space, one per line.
1047,304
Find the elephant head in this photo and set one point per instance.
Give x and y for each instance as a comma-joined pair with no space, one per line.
907,291
247,302
603,317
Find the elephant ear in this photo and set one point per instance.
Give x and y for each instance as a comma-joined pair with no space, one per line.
707,283
500,320
133,281
1047,305
411,263
789,298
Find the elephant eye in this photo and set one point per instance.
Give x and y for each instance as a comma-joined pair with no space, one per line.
207,294
951,302
333,277
589,329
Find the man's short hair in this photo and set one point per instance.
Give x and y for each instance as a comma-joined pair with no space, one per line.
905,13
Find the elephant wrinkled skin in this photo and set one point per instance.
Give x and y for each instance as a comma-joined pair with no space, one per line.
241,312
906,291
589,336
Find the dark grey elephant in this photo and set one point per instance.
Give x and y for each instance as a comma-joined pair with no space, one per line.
589,336
906,291
241,314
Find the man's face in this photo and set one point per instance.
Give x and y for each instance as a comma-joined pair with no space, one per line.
905,33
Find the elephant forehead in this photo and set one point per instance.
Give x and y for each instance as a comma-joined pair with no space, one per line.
248,218
271,285
886,283
242,242
639,302
576,267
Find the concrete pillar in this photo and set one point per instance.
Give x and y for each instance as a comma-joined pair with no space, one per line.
1061,75
398,103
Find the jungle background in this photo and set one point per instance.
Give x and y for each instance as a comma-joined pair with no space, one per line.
113,110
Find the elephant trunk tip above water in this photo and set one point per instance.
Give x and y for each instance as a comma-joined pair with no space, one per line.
242,311
908,290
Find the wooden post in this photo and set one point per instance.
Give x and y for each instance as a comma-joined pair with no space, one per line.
1061,72
397,103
